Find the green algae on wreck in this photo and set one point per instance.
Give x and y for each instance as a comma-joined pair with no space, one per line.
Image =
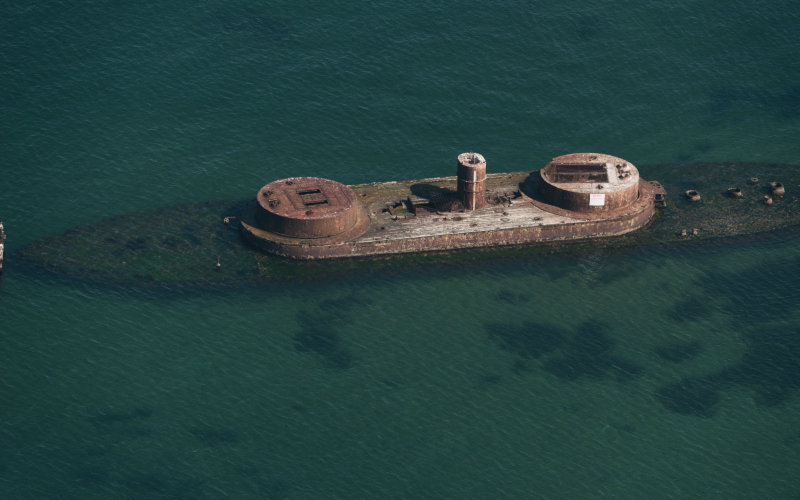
181,244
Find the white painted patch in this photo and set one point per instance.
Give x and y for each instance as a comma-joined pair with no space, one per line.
597,200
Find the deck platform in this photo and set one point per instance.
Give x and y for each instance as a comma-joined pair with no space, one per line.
396,217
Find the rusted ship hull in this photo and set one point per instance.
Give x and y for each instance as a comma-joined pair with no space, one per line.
518,216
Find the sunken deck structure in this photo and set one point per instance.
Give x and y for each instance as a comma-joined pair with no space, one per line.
581,195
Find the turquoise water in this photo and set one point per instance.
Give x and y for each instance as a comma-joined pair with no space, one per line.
653,373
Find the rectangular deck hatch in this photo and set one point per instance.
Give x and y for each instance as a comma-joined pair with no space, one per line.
309,196
586,172
315,202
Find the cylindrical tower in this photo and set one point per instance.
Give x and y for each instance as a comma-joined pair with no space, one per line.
472,180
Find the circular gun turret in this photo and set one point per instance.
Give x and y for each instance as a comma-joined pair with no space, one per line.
306,207
589,183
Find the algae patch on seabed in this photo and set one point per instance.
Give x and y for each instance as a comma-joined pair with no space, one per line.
181,244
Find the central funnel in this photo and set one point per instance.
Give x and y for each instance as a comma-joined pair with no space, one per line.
472,180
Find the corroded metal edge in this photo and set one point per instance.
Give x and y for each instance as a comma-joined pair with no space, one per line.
347,245
646,195
271,242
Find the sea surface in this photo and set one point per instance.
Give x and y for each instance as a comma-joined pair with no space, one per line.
657,373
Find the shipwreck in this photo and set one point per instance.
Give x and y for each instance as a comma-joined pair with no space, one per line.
578,202
582,195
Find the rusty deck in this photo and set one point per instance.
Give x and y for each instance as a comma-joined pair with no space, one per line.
392,219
